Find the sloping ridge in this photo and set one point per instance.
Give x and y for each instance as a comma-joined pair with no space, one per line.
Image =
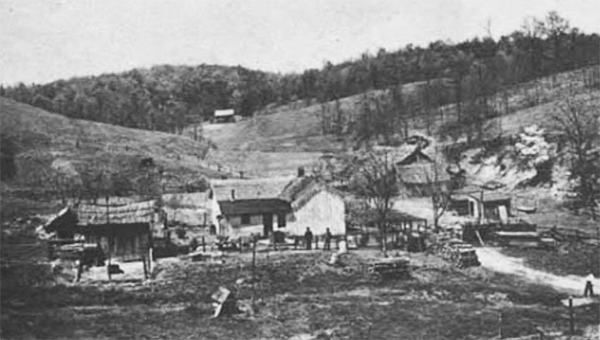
44,146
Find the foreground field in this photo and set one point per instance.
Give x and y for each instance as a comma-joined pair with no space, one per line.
296,296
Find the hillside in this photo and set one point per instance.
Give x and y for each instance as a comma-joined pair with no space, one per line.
52,153
300,128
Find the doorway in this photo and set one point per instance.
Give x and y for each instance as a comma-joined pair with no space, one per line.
267,224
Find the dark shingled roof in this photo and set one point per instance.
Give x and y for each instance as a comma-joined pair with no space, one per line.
255,206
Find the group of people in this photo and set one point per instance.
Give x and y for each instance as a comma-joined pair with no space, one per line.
308,239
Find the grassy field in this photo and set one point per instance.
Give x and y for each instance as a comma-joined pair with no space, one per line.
296,296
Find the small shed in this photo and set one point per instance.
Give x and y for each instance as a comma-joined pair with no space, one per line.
484,205
224,116
124,232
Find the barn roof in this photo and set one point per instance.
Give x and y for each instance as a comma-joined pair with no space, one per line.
299,191
132,213
255,206
244,189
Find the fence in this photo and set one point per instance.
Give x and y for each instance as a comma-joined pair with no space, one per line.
25,264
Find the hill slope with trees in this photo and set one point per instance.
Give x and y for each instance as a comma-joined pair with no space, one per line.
167,98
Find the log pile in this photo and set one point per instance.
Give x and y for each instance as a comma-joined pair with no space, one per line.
392,268
461,254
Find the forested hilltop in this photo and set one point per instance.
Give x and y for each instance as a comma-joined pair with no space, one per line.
168,98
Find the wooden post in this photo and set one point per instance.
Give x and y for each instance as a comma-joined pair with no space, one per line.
150,260
571,316
316,242
109,238
481,208
241,244
500,331
145,268
80,266
203,245
109,251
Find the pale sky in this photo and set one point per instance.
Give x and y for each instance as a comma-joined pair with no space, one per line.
46,40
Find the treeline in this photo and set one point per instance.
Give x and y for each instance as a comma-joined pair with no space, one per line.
168,98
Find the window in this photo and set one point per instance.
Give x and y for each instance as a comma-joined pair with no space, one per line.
245,219
281,220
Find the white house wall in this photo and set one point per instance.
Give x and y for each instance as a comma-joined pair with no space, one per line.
324,210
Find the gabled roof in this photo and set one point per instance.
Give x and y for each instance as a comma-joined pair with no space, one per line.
300,190
132,213
243,189
254,207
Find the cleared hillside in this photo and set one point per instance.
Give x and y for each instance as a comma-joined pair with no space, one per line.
299,128
48,149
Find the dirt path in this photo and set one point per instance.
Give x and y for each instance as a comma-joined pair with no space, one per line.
492,259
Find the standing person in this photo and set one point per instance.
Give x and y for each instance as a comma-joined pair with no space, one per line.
328,236
589,286
308,237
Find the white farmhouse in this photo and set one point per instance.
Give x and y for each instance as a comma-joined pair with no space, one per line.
314,205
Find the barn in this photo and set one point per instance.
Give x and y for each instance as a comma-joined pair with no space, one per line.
313,205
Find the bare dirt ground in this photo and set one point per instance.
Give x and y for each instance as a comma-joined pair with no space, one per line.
296,295
495,260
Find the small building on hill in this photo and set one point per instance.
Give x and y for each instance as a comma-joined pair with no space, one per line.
224,116
314,205
421,174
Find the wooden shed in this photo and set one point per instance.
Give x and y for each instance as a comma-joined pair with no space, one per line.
124,232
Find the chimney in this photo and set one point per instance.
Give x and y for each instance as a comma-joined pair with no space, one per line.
301,171
233,194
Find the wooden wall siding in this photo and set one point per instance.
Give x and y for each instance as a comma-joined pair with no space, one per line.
233,227
124,247
324,210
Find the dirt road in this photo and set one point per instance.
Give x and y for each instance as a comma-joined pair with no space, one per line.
492,259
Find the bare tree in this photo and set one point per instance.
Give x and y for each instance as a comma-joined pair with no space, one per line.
436,187
577,121
377,181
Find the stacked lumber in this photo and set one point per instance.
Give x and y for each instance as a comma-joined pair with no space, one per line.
391,268
461,254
